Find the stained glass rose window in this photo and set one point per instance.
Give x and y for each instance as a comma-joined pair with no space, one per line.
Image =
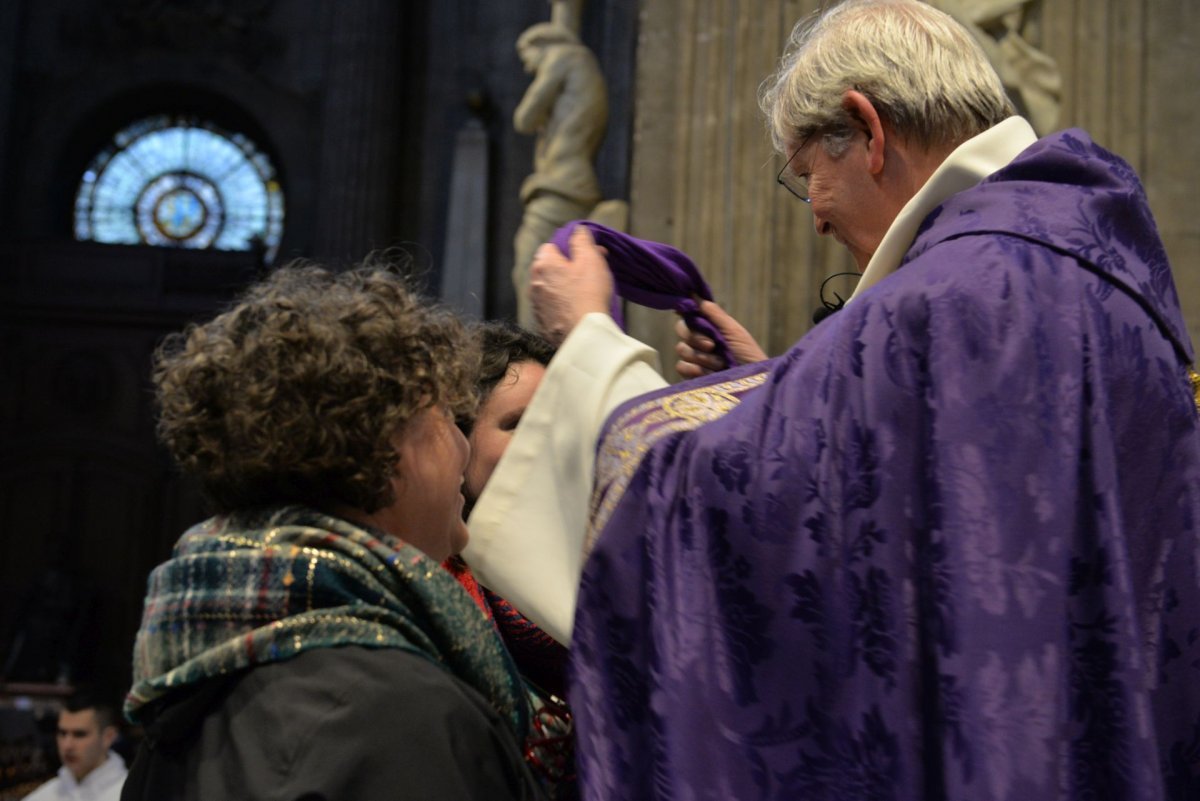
181,182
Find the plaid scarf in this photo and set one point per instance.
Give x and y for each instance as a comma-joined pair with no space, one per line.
249,589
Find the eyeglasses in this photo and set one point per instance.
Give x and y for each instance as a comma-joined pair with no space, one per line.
796,184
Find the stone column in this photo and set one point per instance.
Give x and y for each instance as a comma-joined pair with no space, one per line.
10,19
360,116
703,176
465,262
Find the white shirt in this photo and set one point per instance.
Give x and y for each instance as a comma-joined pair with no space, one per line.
102,784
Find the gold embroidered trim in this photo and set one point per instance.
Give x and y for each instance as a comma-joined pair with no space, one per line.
627,442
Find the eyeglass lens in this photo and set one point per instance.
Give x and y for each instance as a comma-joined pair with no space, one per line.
796,184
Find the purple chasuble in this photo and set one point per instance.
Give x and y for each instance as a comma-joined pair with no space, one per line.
651,274
944,548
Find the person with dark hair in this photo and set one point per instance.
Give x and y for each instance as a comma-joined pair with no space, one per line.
513,362
305,641
91,770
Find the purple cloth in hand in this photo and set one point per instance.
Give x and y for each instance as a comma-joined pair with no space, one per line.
654,275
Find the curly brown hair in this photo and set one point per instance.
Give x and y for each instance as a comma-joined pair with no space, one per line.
293,394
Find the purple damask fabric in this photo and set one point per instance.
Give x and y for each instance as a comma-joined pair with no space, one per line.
947,549
651,274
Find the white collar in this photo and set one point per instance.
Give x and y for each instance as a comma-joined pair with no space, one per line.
967,165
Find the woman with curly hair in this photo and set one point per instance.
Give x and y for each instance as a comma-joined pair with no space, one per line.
305,642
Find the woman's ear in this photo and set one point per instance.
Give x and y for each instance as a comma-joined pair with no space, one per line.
859,106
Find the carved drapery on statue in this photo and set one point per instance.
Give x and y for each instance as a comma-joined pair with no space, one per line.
566,106
1031,77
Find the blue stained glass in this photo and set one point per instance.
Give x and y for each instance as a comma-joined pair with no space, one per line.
178,182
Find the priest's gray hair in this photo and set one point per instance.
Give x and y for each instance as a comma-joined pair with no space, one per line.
924,73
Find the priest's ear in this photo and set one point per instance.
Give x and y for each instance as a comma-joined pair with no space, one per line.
863,112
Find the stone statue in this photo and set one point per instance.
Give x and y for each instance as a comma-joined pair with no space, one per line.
1031,77
566,106
567,13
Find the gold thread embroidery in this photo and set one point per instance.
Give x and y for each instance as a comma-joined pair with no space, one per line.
627,442
312,571
1195,377
332,560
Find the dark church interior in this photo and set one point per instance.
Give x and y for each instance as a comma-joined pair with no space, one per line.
347,128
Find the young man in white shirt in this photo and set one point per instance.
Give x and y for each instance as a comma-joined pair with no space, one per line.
90,769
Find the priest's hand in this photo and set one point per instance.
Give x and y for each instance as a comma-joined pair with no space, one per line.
696,351
563,290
